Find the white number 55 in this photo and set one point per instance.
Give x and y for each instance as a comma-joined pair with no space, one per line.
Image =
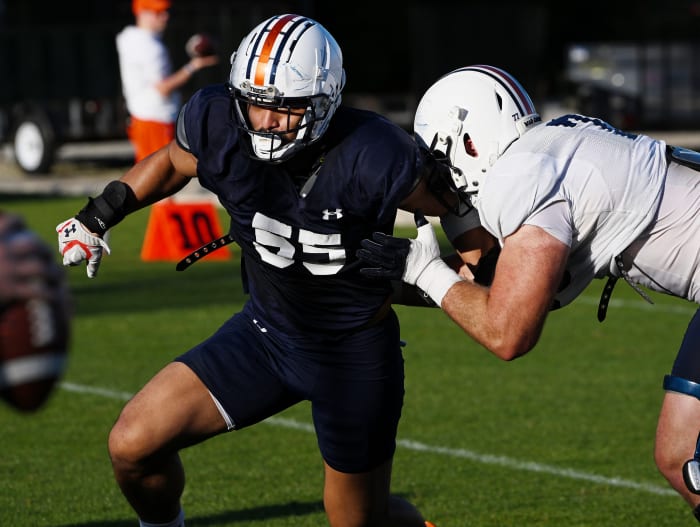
271,234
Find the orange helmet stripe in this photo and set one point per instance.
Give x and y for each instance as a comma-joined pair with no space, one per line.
267,46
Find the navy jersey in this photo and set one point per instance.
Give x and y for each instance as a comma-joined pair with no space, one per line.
299,252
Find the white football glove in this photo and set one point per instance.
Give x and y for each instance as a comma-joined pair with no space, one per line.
424,266
415,261
76,244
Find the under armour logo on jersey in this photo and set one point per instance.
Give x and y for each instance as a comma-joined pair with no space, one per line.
259,326
329,214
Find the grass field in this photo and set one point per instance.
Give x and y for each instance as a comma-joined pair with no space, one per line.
561,437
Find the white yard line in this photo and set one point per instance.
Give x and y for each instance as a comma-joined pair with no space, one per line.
486,459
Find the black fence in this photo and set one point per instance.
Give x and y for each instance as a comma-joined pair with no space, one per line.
59,59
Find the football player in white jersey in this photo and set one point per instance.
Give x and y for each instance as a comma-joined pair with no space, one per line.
567,201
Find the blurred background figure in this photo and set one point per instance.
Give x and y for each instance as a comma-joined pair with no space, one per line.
149,84
35,317
27,267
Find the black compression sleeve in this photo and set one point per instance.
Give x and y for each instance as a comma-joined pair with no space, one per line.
109,208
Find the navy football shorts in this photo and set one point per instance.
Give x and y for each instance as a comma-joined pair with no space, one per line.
355,384
687,364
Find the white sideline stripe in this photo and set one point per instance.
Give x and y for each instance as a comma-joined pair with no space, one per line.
109,394
531,466
487,459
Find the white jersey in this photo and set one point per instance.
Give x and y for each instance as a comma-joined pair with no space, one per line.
143,62
595,188
666,257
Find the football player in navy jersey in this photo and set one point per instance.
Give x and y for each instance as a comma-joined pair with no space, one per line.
304,180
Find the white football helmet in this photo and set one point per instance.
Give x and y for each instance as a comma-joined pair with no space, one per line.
287,62
470,117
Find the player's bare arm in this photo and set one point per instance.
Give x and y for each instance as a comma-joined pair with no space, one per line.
471,250
507,317
160,175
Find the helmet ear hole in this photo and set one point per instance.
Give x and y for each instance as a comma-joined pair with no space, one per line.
469,146
499,101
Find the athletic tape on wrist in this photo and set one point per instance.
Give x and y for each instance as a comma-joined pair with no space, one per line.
436,280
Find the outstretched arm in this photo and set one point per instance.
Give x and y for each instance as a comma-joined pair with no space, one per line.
180,77
508,317
162,174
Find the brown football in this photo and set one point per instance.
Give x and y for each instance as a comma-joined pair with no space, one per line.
200,45
34,342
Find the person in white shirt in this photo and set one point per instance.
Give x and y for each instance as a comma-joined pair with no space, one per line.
565,202
149,85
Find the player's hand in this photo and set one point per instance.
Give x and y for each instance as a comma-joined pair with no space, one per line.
27,269
400,258
76,244
199,63
385,255
415,261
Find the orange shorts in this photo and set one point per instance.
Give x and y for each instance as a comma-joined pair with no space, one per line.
148,136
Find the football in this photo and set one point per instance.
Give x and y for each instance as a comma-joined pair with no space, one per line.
200,45
34,342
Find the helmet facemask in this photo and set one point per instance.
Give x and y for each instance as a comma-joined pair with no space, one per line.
443,178
275,146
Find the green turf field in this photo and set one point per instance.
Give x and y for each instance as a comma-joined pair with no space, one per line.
561,437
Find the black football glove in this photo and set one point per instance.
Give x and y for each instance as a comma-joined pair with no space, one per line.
415,261
386,254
